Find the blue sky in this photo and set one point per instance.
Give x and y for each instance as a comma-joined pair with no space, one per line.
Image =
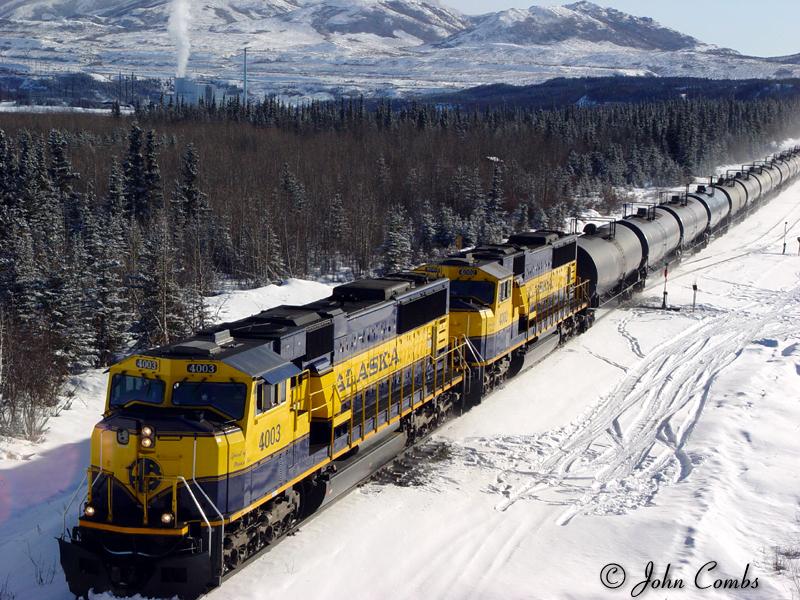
760,28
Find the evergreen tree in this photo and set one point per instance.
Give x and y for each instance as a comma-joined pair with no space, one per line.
162,315
446,228
62,174
336,228
397,242
494,224
152,174
134,169
426,229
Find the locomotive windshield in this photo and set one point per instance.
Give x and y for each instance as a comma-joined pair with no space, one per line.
227,398
482,291
127,388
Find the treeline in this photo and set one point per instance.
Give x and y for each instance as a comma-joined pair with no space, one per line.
114,230
84,278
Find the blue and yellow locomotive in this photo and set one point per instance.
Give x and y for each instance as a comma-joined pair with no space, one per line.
213,447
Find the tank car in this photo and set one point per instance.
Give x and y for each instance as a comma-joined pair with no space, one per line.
658,232
610,259
692,218
735,193
766,181
716,203
751,191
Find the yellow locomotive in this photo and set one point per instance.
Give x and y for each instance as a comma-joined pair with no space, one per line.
213,447
514,302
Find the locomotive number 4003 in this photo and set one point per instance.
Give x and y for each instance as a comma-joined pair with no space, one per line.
269,437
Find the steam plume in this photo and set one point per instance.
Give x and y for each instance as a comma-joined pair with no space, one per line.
178,27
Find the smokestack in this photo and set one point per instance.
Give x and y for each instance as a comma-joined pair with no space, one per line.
178,27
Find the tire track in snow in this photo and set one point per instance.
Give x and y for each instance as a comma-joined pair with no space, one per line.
616,457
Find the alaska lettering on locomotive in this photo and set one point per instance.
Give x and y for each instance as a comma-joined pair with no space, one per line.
367,369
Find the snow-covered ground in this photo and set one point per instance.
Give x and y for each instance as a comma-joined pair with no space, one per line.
669,437
13,107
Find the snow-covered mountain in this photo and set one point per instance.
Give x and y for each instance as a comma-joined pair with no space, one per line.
543,25
308,47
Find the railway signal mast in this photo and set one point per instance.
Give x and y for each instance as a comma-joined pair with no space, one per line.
785,231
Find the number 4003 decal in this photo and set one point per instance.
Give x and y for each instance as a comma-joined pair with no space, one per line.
269,437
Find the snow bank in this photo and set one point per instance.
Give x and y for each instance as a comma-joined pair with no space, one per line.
239,304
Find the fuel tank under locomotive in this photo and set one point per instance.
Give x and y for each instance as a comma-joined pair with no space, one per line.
608,256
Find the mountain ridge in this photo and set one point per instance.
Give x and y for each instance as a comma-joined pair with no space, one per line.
320,48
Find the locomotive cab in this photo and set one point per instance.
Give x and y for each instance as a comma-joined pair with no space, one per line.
174,431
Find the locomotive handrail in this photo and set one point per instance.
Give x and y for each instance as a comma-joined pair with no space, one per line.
417,367
74,495
202,512
475,353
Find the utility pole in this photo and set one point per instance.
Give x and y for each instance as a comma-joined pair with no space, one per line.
244,100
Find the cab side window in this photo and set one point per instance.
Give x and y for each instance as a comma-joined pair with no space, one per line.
269,396
505,291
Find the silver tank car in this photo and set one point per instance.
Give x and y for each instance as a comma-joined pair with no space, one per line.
658,232
780,169
789,164
691,215
607,256
716,203
736,195
751,187
794,166
764,178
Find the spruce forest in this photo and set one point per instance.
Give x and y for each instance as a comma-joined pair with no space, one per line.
114,230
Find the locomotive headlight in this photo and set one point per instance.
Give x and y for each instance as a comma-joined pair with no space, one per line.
89,510
147,442
147,431
167,518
